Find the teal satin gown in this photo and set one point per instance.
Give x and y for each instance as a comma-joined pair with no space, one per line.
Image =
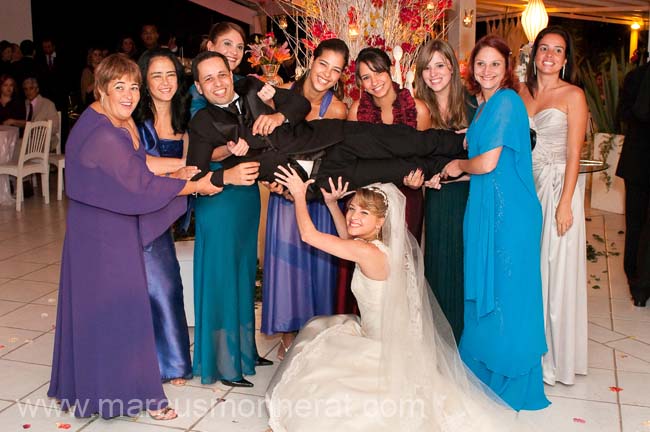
225,264
503,339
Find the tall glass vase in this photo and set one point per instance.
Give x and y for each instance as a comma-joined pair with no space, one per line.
270,74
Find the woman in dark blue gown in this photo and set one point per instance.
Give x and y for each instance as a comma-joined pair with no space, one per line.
162,117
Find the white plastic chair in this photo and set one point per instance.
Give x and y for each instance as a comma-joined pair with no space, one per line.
32,159
58,160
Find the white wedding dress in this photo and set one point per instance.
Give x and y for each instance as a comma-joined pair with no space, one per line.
563,259
396,368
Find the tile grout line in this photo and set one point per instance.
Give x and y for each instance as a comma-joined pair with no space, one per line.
611,318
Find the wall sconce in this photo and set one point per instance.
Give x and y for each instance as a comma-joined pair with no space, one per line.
635,26
468,17
534,19
353,31
282,22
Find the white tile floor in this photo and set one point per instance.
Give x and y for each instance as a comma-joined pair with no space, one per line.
30,247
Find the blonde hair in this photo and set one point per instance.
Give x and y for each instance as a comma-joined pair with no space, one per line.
113,67
372,199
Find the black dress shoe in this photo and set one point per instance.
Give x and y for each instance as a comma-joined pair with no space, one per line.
261,361
239,383
640,303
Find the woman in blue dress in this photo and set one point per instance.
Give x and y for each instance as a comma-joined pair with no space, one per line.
299,280
503,338
162,118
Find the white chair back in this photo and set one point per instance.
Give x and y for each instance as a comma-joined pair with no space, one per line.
35,147
58,134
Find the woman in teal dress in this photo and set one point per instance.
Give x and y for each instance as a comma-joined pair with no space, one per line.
503,340
438,84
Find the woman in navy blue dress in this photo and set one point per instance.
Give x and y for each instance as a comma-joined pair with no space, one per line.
299,280
162,118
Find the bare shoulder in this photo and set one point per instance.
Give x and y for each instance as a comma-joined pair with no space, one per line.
337,110
421,107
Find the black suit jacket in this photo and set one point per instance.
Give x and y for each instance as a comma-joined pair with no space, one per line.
214,126
635,155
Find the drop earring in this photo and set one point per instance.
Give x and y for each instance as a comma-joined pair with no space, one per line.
563,69
534,69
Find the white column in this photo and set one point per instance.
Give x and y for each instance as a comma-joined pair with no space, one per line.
462,38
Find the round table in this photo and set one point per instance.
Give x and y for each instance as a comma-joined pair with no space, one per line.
8,140
592,166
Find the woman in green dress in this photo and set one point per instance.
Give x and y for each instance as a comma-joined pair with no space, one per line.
438,83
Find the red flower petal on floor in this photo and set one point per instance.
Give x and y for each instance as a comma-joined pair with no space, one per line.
616,389
26,426
2,346
63,425
579,420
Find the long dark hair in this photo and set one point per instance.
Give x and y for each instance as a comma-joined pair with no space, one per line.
334,45
179,103
570,72
496,42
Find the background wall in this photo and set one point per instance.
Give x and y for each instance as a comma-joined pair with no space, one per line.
16,20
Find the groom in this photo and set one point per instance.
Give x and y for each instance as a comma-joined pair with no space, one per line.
359,152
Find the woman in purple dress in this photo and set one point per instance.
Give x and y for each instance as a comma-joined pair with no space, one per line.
104,351
299,280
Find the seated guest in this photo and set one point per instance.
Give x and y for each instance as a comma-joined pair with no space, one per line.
40,108
12,108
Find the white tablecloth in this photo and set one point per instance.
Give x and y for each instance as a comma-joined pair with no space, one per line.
8,140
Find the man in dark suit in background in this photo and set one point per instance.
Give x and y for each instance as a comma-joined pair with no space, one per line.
634,168
359,152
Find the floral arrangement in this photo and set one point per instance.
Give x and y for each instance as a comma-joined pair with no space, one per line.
383,24
267,51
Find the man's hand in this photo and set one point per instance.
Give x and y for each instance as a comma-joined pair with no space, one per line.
204,186
240,148
243,174
266,93
266,123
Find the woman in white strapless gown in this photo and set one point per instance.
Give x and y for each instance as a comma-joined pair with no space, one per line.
558,113
395,369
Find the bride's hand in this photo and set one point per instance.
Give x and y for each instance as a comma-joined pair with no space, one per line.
292,181
336,191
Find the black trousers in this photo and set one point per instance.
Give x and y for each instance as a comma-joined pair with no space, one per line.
365,153
636,261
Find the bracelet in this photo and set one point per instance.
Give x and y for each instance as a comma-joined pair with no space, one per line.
167,174
196,191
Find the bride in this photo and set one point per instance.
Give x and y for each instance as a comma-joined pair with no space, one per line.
396,368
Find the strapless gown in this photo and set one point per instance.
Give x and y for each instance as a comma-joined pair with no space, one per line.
164,280
563,259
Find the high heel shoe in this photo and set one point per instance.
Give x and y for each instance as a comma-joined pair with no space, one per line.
282,349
